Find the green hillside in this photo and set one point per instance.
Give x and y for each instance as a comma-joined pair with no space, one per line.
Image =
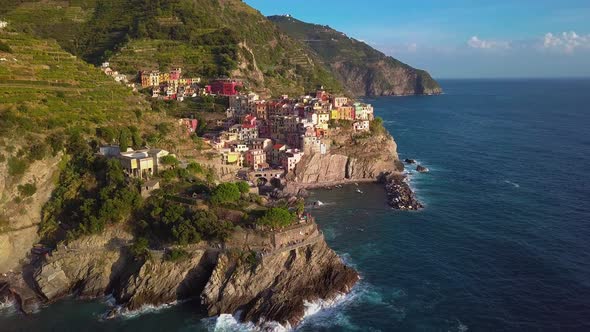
43,88
206,37
362,69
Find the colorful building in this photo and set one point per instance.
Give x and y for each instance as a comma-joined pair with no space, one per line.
225,87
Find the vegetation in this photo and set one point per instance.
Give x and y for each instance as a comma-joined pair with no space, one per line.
176,255
225,193
27,190
376,126
276,217
49,90
140,248
206,38
173,222
17,166
92,193
352,55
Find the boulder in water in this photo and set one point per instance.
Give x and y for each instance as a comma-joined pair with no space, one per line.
422,169
410,161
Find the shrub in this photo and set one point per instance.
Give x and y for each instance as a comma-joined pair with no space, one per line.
176,255
376,126
195,168
4,47
169,161
243,186
38,151
17,166
140,249
56,142
27,190
225,193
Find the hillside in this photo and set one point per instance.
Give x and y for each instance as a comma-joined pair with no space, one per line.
206,38
362,69
48,96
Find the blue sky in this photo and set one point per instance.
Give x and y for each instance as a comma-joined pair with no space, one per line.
461,38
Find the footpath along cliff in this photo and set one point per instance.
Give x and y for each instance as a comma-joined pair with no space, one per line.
268,283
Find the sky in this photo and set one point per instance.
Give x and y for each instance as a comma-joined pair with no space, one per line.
461,38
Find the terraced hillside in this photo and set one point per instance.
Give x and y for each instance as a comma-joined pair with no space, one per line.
362,69
43,88
206,38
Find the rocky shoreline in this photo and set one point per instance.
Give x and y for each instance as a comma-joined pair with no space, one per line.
399,194
262,285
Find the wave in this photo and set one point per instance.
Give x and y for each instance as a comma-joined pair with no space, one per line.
514,184
119,311
7,307
231,323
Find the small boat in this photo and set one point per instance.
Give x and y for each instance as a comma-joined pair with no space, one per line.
318,203
359,191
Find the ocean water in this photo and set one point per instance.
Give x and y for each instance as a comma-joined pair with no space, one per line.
502,245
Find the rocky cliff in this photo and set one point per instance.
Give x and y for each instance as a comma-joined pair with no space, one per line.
267,285
361,69
276,286
383,78
20,216
362,159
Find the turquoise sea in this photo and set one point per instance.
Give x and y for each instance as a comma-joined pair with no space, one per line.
502,245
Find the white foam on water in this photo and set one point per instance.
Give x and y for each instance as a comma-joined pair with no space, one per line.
514,184
121,312
7,307
230,323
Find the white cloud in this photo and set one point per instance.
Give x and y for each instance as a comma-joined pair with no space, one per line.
566,42
475,42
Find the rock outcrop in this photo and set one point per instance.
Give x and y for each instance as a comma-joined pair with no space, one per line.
87,266
399,194
365,161
19,217
273,283
275,287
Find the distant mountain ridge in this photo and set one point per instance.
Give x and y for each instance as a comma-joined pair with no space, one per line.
362,70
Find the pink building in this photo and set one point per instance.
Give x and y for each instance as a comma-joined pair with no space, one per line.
250,120
256,159
225,87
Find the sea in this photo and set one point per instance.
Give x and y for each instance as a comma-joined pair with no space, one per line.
503,243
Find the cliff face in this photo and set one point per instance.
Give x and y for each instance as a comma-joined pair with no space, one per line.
275,288
263,287
362,160
382,78
20,216
362,70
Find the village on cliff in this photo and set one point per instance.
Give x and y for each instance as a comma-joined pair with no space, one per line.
264,139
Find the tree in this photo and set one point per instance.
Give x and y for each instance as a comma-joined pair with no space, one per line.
243,186
124,139
225,193
276,217
169,160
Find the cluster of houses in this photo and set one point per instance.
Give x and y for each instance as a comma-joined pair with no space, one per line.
276,134
172,86
118,77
